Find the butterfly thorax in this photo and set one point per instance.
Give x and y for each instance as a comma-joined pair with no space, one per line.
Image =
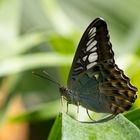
78,98
65,93
69,96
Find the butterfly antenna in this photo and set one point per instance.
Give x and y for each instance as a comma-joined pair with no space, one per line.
52,78
89,115
48,77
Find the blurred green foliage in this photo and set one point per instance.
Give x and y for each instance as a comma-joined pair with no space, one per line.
43,35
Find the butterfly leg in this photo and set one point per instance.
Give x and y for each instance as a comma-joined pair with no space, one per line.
105,119
62,101
77,116
77,107
89,115
67,108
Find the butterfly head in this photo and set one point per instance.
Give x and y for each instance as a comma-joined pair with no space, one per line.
64,92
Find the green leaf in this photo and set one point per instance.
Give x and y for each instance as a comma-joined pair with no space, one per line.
9,21
134,116
21,45
56,129
26,62
116,129
62,44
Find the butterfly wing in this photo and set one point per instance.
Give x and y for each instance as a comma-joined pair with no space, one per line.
93,48
95,78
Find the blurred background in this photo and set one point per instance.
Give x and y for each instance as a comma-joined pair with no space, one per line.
43,35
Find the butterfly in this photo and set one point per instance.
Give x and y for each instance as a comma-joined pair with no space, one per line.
95,82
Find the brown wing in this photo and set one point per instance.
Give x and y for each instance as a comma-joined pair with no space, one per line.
115,89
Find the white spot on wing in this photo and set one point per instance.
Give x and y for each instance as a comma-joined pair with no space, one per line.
96,76
78,68
84,58
92,30
93,49
92,35
89,41
91,65
92,57
91,45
